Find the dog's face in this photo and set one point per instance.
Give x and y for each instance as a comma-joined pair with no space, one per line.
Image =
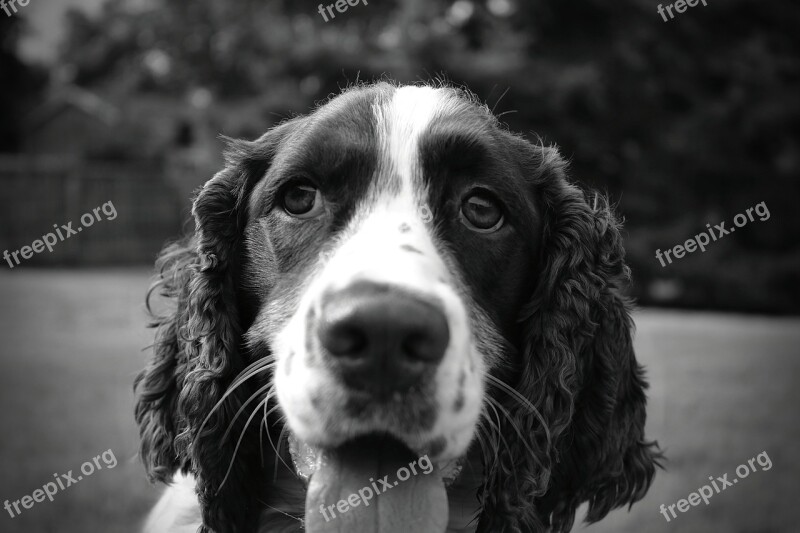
391,243
398,264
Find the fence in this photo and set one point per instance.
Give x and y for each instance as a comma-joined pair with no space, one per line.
36,193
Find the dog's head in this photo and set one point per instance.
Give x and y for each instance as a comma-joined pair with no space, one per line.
398,264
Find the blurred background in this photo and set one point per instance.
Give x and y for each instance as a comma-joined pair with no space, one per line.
683,123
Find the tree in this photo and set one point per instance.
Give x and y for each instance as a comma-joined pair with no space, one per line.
21,86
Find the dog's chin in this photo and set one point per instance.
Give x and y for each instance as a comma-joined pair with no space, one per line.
308,458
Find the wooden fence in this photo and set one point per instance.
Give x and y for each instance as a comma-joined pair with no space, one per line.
38,193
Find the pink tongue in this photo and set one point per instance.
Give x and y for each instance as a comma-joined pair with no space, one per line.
345,485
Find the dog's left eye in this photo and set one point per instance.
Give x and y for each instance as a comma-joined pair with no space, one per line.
301,199
481,212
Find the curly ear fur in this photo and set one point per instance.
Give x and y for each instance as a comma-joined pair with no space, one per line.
158,385
577,368
198,352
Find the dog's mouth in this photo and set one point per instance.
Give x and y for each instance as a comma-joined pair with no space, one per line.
373,483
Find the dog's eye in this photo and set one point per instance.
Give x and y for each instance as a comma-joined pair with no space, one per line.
481,212
301,199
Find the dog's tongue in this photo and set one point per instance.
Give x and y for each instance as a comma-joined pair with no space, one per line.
342,496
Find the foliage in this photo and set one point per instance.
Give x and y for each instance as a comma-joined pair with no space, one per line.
684,122
21,86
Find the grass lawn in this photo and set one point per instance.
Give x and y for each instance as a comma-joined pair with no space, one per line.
722,391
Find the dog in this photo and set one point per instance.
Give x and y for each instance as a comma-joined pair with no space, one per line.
395,265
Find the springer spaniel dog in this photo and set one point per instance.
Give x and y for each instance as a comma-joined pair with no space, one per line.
393,276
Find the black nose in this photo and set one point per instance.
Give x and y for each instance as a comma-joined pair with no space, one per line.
381,339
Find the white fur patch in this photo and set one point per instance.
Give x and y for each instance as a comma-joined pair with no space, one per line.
409,113
370,248
178,510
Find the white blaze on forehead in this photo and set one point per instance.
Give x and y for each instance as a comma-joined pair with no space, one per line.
373,249
390,240
401,122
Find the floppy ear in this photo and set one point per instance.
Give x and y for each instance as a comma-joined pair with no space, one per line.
182,408
158,385
578,370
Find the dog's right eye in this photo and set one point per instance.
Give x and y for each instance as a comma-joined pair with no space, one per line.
481,212
301,199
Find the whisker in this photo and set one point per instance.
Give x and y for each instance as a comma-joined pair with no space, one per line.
523,400
278,451
270,394
301,520
486,453
262,428
238,444
244,406
500,435
513,424
252,369
496,427
269,437
492,440
236,383
491,437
